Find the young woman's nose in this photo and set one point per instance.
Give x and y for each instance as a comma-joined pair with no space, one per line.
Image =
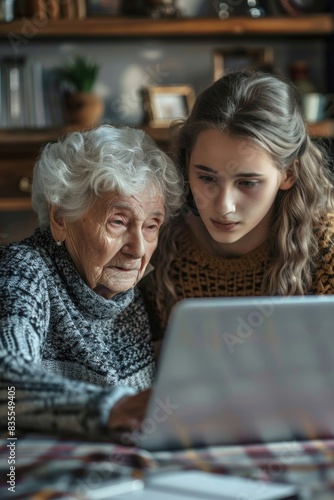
225,200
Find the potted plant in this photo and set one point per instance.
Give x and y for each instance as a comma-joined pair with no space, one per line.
84,107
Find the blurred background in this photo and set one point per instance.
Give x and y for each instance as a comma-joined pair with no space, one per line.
178,46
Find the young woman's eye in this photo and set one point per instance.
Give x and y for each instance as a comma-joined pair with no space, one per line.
249,184
207,178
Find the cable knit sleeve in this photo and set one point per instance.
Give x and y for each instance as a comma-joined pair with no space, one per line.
44,401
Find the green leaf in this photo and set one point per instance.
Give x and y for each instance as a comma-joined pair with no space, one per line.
80,73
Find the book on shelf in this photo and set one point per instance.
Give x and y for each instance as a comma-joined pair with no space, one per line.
68,9
20,8
3,100
29,95
12,91
81,9
73,9
37,9
54,100
16,93
38,116
53,9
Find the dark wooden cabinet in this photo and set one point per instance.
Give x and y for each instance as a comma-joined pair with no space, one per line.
17,157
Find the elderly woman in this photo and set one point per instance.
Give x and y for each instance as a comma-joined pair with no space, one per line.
75,342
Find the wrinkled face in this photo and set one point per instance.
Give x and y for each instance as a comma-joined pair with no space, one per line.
234,184
113,242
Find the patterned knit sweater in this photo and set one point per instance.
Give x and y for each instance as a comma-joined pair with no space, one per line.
197,273
69,353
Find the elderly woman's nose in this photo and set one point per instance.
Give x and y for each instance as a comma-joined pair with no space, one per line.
135,244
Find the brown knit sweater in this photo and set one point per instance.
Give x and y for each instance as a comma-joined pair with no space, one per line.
197,273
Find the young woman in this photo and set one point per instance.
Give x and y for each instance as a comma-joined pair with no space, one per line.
259,214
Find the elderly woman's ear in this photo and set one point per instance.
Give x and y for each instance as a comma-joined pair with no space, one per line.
57,223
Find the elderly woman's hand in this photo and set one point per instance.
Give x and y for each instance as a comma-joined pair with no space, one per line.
129,412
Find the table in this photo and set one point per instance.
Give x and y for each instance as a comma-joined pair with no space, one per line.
49,467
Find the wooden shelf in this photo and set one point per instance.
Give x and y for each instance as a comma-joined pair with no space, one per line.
36,137
15,204
30,138
324,128
24,136
146,27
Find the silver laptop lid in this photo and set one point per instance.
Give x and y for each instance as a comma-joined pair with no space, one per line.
244,370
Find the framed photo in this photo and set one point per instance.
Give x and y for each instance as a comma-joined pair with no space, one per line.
168,103
102,7
240,58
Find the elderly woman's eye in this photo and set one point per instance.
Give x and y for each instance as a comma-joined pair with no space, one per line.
155,226
117,222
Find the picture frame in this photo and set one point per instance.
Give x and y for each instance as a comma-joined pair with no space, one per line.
103,7
239,58
166,103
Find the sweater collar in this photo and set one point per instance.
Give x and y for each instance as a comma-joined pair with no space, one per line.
252,260
90,303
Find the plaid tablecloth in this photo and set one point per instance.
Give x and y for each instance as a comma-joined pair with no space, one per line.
61,468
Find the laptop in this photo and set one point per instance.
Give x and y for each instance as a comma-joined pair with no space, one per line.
241,371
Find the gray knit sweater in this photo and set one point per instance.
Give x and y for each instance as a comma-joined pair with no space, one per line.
69,353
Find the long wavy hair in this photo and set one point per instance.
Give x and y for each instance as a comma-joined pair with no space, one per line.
265,109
